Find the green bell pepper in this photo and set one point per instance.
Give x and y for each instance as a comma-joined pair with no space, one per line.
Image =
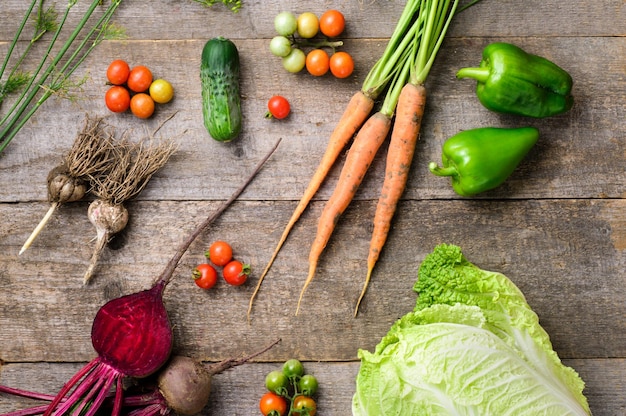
515,82
481,159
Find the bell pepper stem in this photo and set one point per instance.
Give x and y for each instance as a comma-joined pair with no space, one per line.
439,171
479,74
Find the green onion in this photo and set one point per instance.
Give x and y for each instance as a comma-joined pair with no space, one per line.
50,76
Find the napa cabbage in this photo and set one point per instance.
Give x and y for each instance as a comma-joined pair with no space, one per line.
472,346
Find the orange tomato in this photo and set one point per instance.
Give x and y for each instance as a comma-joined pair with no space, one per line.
117,72
142,105
139,79
341,64
332,23
317,62
117,99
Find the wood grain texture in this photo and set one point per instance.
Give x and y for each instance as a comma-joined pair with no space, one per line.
557,227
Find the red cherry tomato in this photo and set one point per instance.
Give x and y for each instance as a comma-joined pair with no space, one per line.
272,402
139,79
117,99
278,107
117,72
205,276
142,105
219,253
341,64
332,23
317,62
236,273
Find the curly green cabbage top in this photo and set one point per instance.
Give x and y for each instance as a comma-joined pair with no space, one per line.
472,346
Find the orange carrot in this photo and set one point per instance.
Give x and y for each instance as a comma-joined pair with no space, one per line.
358,109
360,157
404,136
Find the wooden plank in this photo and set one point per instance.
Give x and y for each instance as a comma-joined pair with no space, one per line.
558,167
238,390
567,256
557,227
175,19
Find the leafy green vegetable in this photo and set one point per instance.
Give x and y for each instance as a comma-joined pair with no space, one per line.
472,346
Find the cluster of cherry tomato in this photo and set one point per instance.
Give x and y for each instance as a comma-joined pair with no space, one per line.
290,392
220,254
135,89
295,33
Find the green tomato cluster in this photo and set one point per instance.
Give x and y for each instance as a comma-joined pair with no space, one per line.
295,387
294,34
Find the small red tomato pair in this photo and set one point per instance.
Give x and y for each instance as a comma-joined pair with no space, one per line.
235,273
137,79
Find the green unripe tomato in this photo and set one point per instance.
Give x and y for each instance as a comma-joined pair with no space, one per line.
295,61
276,382
285,23
280,46
293,368
308,385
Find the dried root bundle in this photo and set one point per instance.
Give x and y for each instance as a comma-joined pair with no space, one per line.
92,153
135,164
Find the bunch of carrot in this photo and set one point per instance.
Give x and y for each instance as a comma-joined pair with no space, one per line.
401,72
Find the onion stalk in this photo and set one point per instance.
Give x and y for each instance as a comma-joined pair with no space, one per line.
52,78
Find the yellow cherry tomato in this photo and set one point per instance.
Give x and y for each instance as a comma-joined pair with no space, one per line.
308,25
161,91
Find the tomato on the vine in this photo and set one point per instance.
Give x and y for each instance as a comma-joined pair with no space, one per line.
236,273
308,385
280,46
204,275
272,402
293,368
139,79
117,99
341,64
304,406
317,62
308,25
117,72
276,382
278,107
295,61
219,253
142,105
332,23
285,23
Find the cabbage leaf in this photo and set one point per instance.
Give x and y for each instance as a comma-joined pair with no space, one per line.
471,346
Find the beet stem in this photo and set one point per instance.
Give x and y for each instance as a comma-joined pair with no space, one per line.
166,275
234,362
68,386
31,411
82,386
26,393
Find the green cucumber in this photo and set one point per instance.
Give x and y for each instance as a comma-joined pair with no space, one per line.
219,74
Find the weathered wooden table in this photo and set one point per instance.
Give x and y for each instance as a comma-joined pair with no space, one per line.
557,227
